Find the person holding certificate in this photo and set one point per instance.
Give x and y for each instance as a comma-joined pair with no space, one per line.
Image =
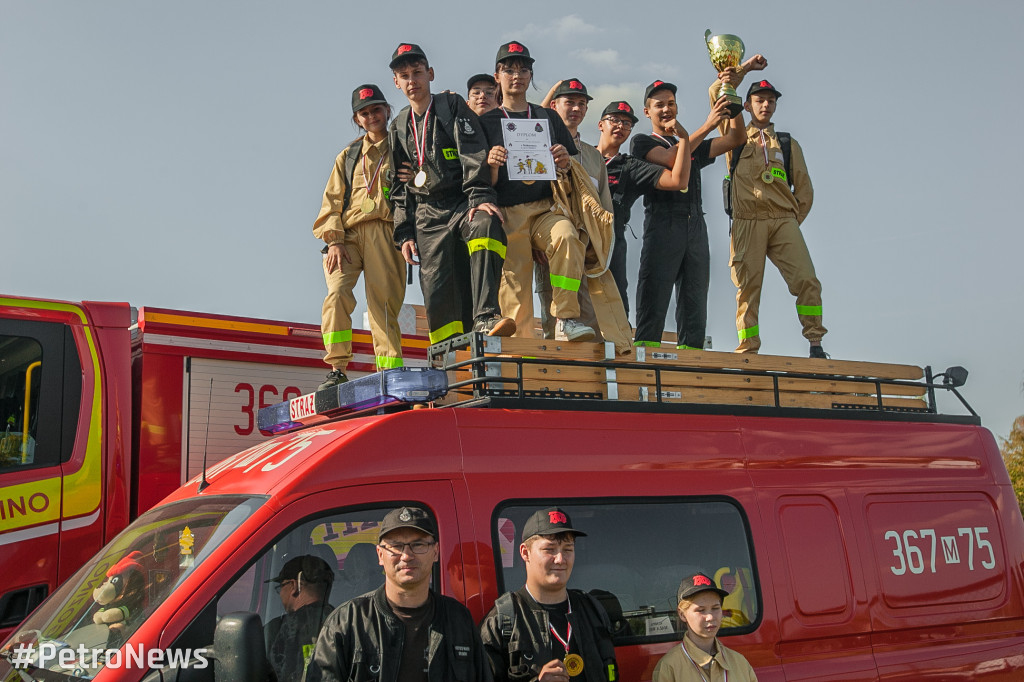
528,143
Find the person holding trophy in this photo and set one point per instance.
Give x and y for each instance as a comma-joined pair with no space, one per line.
675,251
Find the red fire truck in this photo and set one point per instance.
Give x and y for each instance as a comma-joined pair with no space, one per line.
105,411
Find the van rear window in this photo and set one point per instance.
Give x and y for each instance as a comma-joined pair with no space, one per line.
636,553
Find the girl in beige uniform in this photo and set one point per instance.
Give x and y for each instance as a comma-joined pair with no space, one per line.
700,657
356,225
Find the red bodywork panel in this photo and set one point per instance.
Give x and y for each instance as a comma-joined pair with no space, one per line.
814,493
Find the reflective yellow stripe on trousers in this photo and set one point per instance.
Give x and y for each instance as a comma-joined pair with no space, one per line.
388,362
486,244
338,337
563,282
749,332
450,329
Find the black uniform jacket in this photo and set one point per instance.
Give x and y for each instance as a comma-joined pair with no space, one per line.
455,161
532,645
362,640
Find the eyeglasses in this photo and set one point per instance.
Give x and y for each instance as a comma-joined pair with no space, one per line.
615,121
278,587
515,72
398,548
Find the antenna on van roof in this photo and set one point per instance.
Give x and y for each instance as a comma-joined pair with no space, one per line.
203,484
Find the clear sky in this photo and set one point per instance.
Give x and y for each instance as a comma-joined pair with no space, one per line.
175,154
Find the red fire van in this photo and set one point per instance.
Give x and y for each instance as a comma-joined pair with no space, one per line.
857,542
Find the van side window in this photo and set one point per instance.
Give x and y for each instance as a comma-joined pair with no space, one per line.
40,395
345,541
636,553
21,361
342,543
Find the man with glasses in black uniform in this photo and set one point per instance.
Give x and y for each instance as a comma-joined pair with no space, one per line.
403,631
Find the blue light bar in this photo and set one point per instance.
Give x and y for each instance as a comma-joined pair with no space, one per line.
388,387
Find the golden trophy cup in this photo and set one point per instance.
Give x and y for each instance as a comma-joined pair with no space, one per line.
726,50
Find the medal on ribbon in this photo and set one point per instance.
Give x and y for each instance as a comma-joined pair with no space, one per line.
766,176
368,204
573,662
421,144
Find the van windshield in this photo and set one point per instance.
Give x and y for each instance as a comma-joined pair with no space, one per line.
81,628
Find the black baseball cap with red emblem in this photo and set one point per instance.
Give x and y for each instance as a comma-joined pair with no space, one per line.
406,51
658,85
513,50
365,95
622,109
696,583
571,86
762,86
550,521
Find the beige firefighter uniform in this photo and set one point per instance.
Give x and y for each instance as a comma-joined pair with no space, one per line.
593,163
576,195
766,223
534,225
686,662
368,238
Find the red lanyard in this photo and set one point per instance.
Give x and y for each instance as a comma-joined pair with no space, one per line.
369,186
764,148
421,140
568,632
662,139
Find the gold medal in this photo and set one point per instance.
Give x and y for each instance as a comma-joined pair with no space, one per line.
368,205
420,179
766,177
529,182
573,664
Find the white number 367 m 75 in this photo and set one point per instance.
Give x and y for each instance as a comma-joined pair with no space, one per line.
918,550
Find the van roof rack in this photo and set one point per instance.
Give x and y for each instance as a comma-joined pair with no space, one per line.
538,373
474,370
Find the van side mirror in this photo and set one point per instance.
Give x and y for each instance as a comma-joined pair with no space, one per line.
238,648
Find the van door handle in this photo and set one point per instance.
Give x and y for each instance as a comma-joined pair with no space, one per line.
17,604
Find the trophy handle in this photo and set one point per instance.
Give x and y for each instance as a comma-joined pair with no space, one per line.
707,34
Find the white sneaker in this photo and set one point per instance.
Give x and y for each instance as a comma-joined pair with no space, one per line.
573,330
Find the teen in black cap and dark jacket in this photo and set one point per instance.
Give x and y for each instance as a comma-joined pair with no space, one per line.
545,630
446,214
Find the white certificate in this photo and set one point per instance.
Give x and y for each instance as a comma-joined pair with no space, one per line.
528,142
